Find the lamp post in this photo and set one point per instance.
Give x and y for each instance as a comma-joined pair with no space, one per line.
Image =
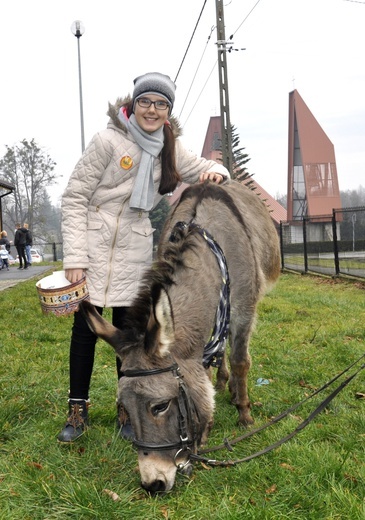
78,29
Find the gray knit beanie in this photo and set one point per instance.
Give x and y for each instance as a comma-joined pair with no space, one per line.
155,83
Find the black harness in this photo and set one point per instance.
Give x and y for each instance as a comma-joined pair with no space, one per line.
187,411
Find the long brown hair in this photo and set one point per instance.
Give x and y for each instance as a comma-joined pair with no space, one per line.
169,174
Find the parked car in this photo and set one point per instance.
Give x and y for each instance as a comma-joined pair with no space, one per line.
36,256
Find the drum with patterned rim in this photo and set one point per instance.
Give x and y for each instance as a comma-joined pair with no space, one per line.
60,297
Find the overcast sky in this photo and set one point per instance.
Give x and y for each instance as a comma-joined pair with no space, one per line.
315,46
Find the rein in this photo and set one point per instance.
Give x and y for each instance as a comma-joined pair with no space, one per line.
229,443
185,416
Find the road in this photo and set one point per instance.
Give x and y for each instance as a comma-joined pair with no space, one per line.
15,275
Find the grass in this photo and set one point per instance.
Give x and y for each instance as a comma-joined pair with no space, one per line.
309,329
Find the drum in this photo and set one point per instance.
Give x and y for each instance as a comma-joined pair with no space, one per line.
60,297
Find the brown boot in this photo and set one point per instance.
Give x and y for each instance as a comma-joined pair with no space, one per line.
77,421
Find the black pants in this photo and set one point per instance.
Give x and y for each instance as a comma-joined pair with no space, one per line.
82,352
4,262
22,257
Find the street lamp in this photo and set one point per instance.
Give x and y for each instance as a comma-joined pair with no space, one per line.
78,29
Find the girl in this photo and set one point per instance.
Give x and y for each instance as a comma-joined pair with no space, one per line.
107,234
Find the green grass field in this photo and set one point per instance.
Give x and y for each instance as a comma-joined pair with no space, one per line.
308,330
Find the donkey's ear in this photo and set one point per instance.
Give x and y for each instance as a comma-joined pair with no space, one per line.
160,329
101,327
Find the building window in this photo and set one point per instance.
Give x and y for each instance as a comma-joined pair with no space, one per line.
320,179
299,194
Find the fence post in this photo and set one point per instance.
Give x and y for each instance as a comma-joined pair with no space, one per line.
305,245
335,243
281,245
54,251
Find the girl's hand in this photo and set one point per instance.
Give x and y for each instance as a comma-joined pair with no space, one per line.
74,275
212,176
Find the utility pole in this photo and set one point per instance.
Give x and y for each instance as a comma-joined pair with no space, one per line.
223,88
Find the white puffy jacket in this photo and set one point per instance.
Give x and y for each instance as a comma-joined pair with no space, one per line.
101,234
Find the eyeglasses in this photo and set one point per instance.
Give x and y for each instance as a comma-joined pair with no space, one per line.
146,103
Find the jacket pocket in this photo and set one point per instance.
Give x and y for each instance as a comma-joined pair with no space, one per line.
96,236
94,224
141,244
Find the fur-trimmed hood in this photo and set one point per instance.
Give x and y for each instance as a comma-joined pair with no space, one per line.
113,112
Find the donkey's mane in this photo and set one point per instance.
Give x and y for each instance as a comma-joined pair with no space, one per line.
213,191
161,275
162,272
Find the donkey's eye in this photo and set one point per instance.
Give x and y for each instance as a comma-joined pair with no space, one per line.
160,408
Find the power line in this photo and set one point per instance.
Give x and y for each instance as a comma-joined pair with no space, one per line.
243,21
192,36
196,72
211,72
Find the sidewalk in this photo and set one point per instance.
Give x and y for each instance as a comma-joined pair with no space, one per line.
14,276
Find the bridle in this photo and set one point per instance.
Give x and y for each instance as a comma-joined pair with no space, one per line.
187,416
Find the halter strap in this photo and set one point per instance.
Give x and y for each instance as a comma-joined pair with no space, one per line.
213,350
140,372
186,411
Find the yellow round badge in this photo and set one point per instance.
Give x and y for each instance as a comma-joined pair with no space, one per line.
126,162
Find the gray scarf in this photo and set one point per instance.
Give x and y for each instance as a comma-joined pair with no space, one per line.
143,193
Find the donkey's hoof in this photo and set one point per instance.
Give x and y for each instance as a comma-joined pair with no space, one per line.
246,421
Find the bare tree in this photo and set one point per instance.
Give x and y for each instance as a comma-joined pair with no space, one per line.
30,170
353,198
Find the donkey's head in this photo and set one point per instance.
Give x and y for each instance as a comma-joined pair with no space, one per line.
169,398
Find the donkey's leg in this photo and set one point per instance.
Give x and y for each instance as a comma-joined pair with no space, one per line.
222,375
240,361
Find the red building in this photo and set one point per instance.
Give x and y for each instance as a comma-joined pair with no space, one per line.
313,190
212,150
312,175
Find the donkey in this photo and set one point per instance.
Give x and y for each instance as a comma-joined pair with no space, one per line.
217,256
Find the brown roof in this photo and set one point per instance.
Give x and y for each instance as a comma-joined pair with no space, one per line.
7,185
277,211
212,150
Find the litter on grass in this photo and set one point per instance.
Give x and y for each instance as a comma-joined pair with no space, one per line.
261,381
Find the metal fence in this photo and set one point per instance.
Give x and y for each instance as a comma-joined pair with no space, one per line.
50,252
327,244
